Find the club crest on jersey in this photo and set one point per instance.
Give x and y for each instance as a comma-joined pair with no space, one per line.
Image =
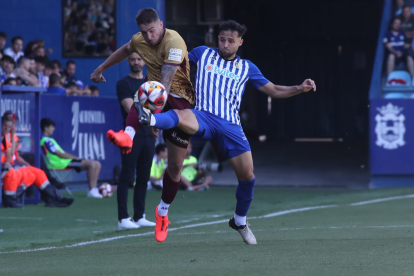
390,128
222,72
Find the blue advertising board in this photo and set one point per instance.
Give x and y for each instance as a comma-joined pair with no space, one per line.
392,142
81,126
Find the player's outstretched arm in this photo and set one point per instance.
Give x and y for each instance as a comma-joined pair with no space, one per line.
116,57
278,91
167,74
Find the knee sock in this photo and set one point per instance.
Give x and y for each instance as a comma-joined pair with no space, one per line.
165,120
169,191
244,196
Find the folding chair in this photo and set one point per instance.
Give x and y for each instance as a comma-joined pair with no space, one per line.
49,165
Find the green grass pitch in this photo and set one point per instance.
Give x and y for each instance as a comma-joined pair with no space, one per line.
339,239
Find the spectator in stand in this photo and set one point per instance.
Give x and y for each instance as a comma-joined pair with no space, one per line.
158,166
395,42
22,72
40,65
39,51
55,86
407,23
193,179
87,91
401,3
48,69
3,39
10,81
7,65
70,70
56,66
15,51
94,91
73,89
63,160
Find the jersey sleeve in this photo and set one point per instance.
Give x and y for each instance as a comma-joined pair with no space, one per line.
134,42
122,90
50,146
256,79
195,54
176,51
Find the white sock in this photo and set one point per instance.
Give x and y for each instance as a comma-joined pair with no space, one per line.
130,131
239,220
153,121
163,208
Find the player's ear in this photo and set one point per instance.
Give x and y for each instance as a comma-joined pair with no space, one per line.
161,24
241,42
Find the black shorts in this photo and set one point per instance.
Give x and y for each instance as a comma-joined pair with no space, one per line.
75,164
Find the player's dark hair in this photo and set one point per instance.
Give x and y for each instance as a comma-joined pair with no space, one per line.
16,38
49,65
8,59
159,148
146,16
6,117
54,79
69,63
232,25
3,35
46,122
57,62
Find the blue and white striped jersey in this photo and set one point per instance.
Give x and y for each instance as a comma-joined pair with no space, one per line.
220,83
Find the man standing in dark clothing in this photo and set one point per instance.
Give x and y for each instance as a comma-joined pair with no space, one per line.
140,158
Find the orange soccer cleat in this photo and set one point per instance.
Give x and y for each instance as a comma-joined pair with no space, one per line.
121,139
161,226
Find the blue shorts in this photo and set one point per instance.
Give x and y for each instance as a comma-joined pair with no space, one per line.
229,136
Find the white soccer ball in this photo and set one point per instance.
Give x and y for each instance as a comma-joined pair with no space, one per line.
106,190
152,95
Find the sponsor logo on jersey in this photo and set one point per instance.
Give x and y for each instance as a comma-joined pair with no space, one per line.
175,54
222,72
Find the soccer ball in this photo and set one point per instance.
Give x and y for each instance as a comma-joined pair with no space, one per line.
151,95
106,190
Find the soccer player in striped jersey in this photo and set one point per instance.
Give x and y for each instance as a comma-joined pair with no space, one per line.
220,82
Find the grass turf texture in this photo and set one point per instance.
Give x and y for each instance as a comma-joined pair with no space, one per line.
373,239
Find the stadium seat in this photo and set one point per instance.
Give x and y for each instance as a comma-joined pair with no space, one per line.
399,78
395,96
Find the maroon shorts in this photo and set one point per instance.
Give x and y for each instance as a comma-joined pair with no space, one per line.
176,135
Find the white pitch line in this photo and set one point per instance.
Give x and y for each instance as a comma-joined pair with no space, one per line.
280,213
381,200
171,229
23,218
87,220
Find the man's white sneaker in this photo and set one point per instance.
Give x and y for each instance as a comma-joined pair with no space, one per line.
144,222
244,231
127,223
94,192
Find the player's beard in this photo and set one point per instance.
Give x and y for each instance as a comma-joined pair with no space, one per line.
136,68
226,55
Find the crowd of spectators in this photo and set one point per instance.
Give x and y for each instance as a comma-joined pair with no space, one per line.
89,28
32,67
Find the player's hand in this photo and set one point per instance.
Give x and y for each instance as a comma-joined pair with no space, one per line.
154,131
97,77
399,54
7,165
307,85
